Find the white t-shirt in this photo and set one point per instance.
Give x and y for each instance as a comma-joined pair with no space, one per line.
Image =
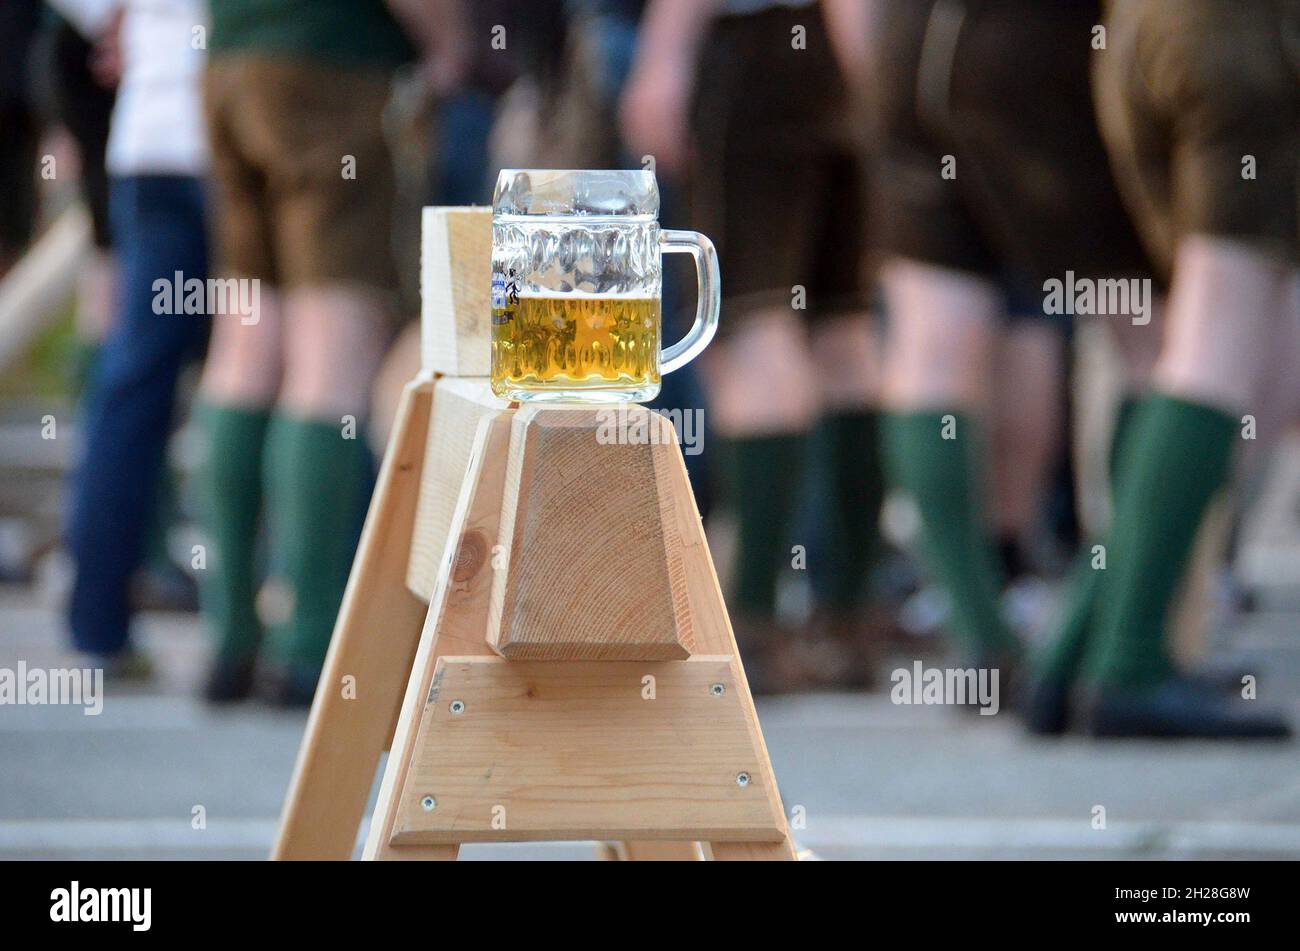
158,126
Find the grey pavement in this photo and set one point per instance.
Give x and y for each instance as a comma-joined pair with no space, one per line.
861,777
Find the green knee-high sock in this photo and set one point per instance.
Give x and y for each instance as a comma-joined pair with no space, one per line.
314,483
1176,458
765,473
230,488
943,476
1065,651
850,441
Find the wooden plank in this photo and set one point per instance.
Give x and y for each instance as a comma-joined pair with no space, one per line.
752,851
456,291
536,750
594,568
373,644
462,405
34,293
455,623
711,624
657,852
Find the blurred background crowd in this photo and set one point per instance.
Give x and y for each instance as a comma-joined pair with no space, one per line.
912,451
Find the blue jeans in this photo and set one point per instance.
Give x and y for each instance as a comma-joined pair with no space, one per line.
158,229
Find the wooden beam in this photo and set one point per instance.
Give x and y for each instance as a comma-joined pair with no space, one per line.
456,291
457,616
541,750
369,659
594,562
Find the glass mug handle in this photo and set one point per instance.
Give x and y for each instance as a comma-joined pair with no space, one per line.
709,297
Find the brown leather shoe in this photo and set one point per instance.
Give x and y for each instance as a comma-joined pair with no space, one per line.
840,651
770,653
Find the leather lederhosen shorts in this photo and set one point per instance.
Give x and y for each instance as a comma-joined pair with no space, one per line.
997,94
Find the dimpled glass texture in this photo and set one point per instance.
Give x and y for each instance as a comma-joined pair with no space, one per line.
591,232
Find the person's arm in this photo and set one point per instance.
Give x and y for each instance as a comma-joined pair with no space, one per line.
440,31
850,24
654,110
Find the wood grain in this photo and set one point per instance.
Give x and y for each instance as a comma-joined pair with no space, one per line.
594,566
456,291
457,614
374,643
529,750
452,428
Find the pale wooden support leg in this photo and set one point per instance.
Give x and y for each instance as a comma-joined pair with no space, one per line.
713,634
752,851
656,851
455,624
418,853
369,659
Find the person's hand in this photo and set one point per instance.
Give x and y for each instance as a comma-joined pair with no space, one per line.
437,28
654,114
445,69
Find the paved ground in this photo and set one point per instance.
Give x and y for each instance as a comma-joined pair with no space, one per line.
871,779
865,778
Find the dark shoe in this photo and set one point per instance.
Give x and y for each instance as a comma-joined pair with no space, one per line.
229,680
1222,677
840,651
291,688
771,654
1045,706
1008,665
884,632
127,667
164,589
1178,707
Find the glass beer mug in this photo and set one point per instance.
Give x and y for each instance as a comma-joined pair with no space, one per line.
577,283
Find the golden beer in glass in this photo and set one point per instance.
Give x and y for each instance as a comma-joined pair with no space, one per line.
576,342
577,286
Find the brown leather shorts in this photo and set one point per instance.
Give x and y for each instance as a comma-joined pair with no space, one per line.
1199,102
777,182
988,156
304,180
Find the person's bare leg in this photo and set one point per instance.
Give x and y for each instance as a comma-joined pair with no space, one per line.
1277,412
1138,345
317,466
399,366
335,338
1027,419
1276,406
943,326
848,360
761,377
239,384
938,365
849,364
244,364
1136,348
1225,309
96,292
762,403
